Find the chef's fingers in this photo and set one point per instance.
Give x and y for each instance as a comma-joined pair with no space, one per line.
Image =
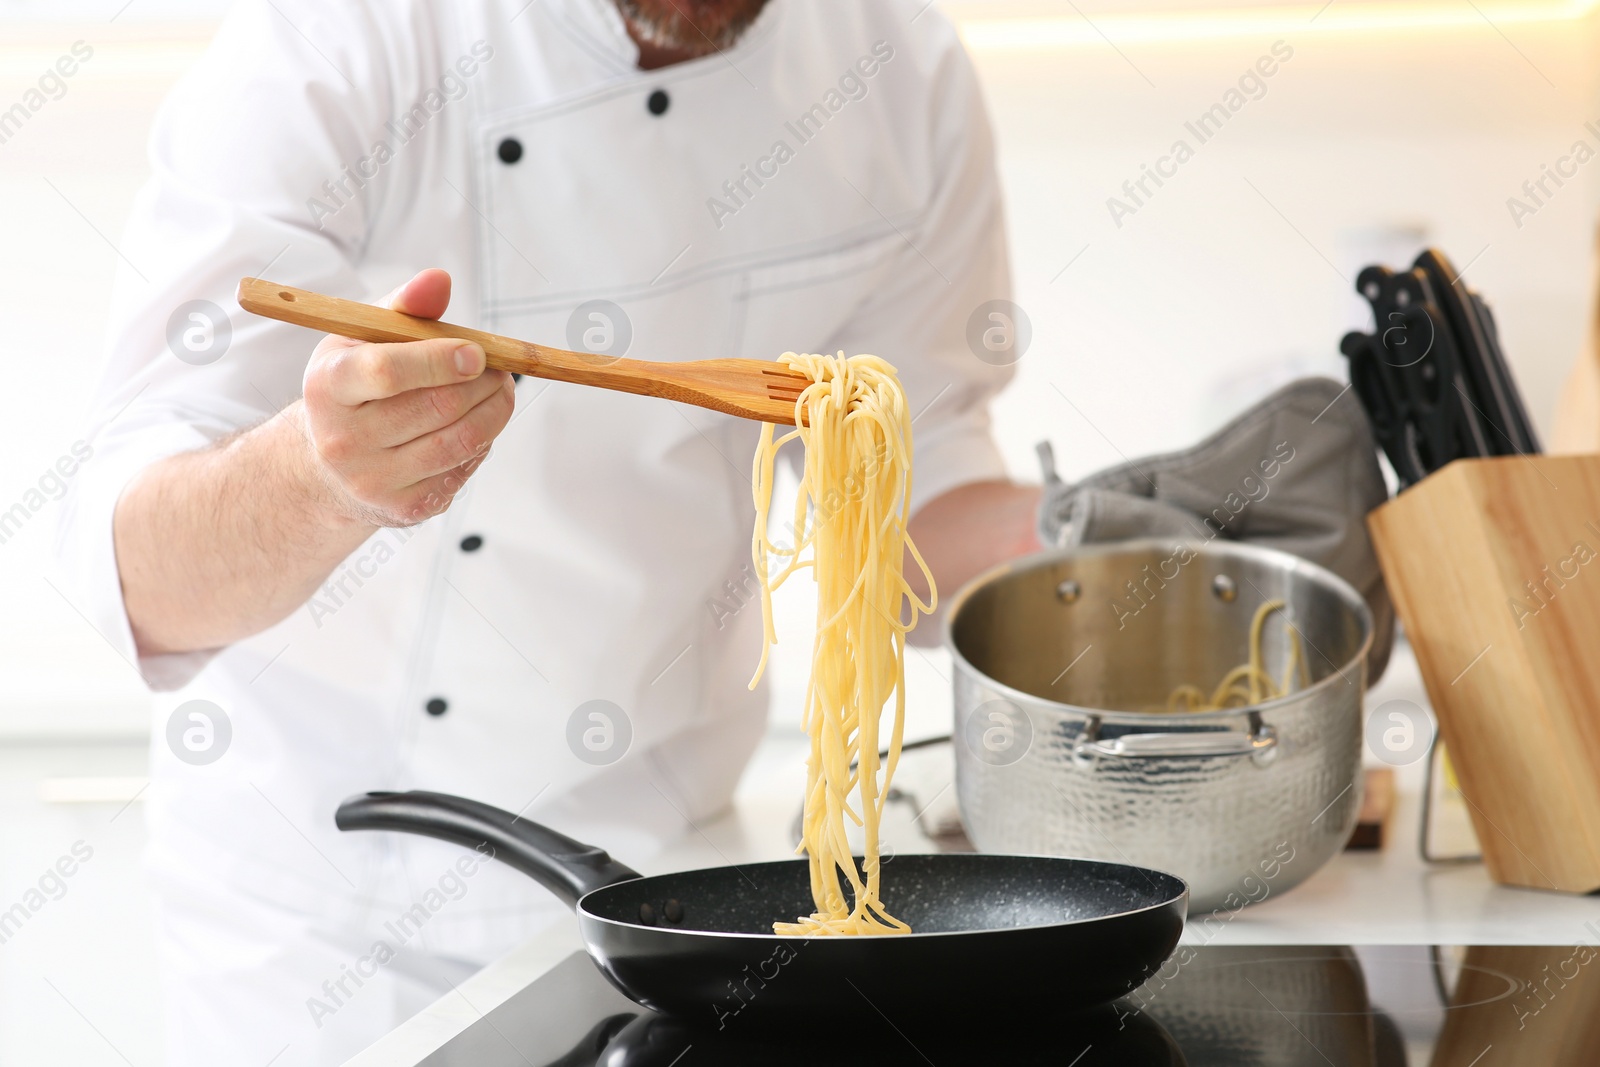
426,296
354,375
413,414
464,440
432,495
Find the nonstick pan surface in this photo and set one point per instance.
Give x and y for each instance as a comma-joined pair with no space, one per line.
991,932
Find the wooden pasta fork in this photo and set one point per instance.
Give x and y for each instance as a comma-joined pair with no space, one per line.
749,388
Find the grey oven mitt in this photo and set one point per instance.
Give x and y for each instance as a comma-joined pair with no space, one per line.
1296,472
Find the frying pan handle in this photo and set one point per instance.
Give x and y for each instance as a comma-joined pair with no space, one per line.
567,868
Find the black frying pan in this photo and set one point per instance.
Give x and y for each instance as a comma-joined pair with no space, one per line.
1025,932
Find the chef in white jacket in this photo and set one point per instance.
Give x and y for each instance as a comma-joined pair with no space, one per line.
302,542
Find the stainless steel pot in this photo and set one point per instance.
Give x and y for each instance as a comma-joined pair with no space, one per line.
1057,654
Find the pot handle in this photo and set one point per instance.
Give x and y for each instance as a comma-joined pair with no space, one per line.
1260,744
567,868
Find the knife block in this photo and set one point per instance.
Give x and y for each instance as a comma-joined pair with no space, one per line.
1494,567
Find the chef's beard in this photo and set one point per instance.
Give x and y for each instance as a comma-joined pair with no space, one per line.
698,27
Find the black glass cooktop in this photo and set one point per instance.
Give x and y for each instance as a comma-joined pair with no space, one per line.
1210,1006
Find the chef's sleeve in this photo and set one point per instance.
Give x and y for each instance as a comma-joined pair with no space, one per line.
950,264
251,159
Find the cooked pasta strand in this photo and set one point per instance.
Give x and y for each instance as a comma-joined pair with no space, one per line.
1249,683
854,502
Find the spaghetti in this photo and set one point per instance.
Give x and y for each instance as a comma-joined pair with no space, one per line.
854,501
1249,683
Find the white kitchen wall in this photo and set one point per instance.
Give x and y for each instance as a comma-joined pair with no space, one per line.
1238,272
1234,277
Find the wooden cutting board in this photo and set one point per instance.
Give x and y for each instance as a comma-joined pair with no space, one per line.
1494,566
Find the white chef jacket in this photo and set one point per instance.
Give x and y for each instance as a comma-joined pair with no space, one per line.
342,146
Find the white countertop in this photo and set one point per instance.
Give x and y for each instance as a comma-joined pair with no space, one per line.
1360,898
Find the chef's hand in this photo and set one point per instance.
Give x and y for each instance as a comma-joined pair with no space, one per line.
395,430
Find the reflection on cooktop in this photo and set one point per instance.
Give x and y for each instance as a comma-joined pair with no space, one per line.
1387,1006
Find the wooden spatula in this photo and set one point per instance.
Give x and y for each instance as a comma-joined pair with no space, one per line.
749,388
